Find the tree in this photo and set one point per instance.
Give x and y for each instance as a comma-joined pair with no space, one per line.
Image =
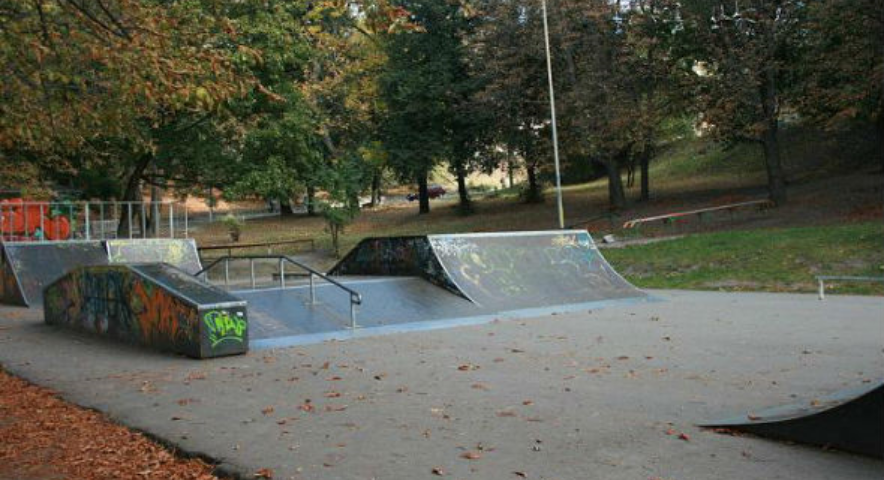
746,53
842,65
424,87
509,56
76,70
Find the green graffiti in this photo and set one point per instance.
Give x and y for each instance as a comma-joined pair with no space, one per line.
222,327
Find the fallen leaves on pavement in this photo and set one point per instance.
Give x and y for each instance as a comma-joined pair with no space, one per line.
42,436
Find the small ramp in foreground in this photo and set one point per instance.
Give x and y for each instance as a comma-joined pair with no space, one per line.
851,420
154,305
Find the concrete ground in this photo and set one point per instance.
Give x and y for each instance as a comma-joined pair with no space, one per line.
591,395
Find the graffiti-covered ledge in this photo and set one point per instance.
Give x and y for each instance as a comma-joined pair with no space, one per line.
155,305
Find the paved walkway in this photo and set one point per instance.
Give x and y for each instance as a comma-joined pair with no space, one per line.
590,395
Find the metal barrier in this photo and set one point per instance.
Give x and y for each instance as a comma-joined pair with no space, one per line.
821,279
762,204
355,297
36,221
241,246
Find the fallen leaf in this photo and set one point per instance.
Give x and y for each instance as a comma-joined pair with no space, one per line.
471,455
264,473
521,474
438,471
267,410
684,436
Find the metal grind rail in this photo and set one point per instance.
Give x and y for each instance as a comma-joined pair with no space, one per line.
355,297
821,281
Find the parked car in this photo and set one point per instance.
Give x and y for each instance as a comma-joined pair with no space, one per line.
433,191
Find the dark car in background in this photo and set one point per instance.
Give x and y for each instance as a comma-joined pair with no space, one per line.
433,191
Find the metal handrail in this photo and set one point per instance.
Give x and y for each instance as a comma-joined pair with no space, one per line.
821,279
355,297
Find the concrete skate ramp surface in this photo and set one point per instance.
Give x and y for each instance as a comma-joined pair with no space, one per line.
850,420
516,270
181,253
27,267
498,271
386,302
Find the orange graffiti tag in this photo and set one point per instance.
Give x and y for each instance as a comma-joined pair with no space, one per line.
160,314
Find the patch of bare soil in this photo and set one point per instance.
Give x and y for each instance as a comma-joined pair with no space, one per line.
45,438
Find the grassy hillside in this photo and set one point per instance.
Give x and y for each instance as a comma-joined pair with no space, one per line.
765,259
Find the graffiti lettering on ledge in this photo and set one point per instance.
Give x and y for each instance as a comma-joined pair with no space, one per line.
222,327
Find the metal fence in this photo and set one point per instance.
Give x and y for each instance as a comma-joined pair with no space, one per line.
27,221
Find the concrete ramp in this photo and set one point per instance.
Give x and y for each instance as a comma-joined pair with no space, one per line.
181,253
154,305
517,270
498,271
850,420
27,267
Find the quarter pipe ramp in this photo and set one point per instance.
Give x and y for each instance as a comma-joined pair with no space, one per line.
851,420
498,271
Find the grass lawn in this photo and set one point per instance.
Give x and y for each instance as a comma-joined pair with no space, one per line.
776,260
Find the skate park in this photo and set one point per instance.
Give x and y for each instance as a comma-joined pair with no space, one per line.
497,355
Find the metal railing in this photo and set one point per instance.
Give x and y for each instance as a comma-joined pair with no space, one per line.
355,297
761,204
36,221
821,279
268,245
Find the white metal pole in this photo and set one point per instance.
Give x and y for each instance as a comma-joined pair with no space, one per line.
552,107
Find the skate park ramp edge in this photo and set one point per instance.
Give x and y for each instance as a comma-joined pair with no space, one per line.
502,271
851,420
155,305
27,267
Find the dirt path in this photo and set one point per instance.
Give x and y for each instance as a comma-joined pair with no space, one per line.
45,438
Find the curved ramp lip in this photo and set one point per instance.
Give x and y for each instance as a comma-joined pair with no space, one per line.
796,411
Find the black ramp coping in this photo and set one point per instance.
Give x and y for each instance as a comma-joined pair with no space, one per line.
385,302
34,265
180,252
514,270
850,420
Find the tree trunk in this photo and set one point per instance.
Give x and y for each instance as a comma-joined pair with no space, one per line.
376,189
616,195
776,179
311,200
645,162
423,196
466,205
533,194
510,167
132,193
881,137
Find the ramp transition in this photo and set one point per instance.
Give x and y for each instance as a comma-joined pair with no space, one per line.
27,267
155,305
851,420
498,271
